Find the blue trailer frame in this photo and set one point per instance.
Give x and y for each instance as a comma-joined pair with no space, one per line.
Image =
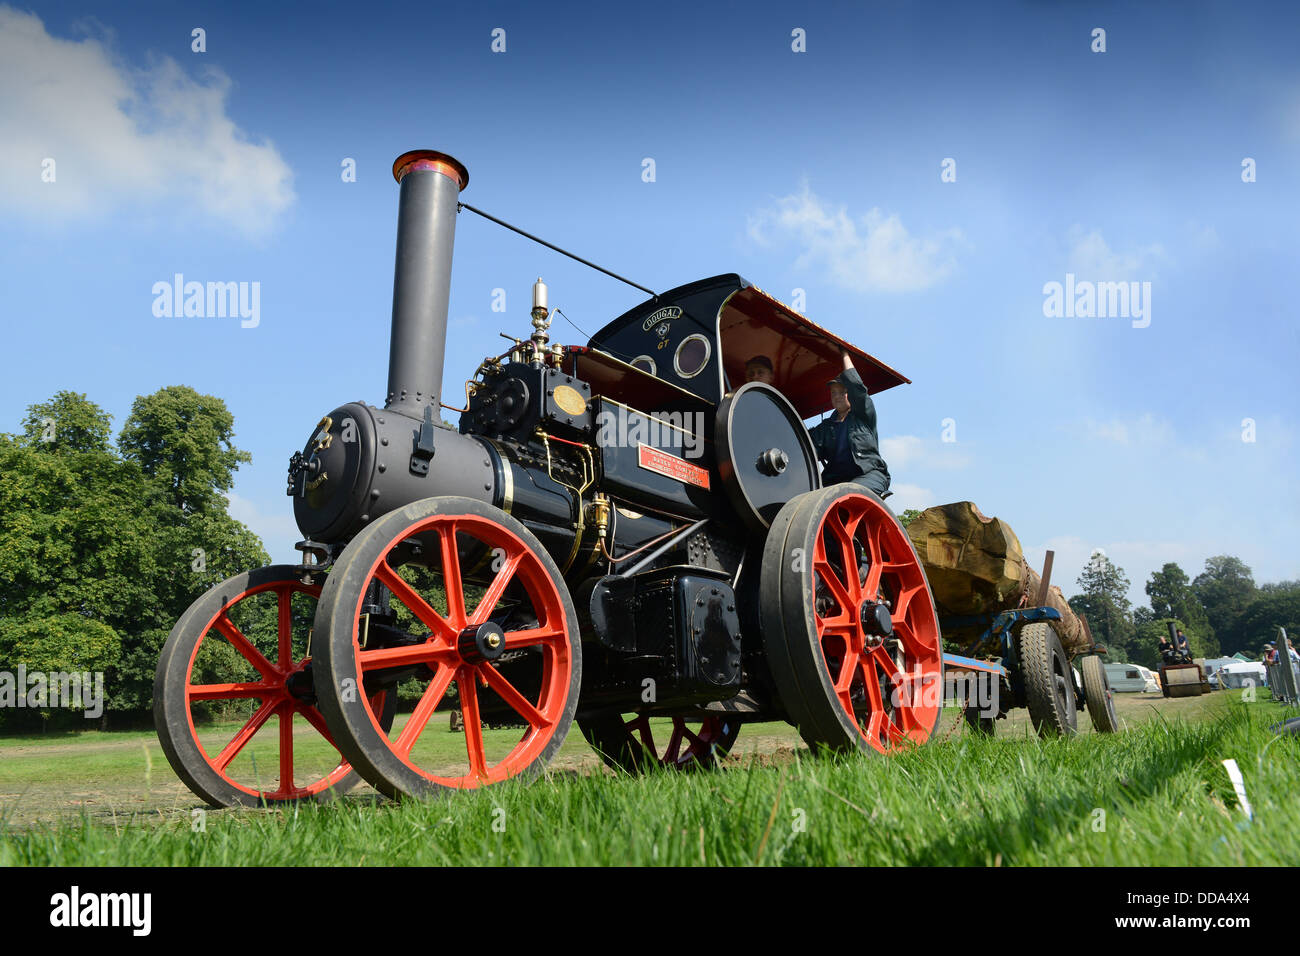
999,626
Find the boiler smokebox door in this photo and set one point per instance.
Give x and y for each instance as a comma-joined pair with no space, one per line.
765,455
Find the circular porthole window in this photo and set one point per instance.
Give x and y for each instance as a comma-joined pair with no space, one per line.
692,355
645,363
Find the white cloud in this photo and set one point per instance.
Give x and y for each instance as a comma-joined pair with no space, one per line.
1145,430
912,451
123,136
909,496
1091,258
876,253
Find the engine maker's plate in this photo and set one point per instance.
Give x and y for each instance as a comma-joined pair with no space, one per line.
765,456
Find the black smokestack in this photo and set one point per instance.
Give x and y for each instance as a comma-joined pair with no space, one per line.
426,229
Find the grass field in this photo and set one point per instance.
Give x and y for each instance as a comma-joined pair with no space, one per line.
1156,794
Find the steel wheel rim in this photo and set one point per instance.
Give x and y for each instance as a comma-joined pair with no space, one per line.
685,749
551,634
276,702
908,714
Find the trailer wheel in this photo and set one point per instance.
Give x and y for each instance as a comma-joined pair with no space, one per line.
848,623
627,741
1099,696
1049,685
509,644
211,663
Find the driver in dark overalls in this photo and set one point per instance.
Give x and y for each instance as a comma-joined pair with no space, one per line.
847,441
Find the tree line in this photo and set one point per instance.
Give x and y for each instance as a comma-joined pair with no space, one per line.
1222,610
104,543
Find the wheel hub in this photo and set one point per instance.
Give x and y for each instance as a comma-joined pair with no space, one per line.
877,622
483,643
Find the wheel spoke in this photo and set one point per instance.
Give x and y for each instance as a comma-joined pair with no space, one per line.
428,703
254,724
284,628
245,647
848,670
506,691
468,689
426,653
230,691
495,590
826,572
451,574
872,680
904,603
286,748
848,556
872,587
873,544
914,646
435,622
317,720
530,637
674,741
642,725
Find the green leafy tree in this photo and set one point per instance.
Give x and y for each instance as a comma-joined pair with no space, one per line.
1224,588
87,535
908,516
1172,597
1277,605
68,422
184,440
61,643
1103,599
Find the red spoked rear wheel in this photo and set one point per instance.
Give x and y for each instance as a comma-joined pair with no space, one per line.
849,623
234,683
630,742
459,605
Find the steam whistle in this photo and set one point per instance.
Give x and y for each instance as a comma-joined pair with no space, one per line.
541,318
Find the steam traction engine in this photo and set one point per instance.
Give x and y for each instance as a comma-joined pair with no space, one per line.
620,533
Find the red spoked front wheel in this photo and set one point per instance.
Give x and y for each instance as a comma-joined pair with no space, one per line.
234,704
459,606
849,623
637,743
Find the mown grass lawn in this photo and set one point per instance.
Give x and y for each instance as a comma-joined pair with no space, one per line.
1156,794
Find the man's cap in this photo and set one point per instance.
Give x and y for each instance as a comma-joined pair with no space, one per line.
762,360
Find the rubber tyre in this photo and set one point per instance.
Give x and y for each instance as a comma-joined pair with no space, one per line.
627,744
173,720
794,633
375,757
1049,685
1100,698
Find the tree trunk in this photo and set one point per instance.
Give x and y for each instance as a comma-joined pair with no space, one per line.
975,565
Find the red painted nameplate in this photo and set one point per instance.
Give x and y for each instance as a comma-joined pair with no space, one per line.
652,459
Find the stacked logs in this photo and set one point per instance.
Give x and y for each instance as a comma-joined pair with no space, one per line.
975,565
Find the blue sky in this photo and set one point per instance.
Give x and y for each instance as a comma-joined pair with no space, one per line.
816,170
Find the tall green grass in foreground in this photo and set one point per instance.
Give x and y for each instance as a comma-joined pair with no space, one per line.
1154,795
